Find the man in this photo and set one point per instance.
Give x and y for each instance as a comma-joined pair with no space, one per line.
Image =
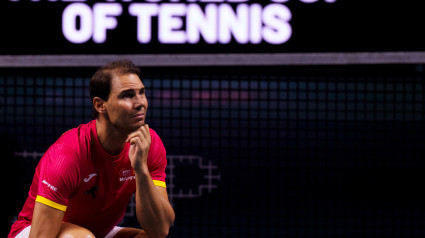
84,181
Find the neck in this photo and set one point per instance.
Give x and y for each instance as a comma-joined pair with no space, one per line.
110,137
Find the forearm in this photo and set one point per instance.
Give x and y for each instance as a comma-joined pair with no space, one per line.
46,221
44,230
154,211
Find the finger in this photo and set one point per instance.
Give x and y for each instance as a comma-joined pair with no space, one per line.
148,133
145,131
147,128
129,137
137,142
136,134
141,135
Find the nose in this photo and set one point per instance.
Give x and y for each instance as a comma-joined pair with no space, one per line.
140,102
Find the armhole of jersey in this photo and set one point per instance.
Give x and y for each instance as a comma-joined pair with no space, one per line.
50,203
159,183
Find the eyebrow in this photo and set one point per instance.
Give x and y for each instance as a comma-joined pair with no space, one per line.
130,91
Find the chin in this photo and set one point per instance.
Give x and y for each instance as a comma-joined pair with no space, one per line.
138,124
132,125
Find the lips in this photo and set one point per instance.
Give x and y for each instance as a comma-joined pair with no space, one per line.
139,116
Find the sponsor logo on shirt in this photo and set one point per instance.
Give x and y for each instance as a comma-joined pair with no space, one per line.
127,174
50,186
90,177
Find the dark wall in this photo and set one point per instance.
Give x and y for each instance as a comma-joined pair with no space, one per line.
289,151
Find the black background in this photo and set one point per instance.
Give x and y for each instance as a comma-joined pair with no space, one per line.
302,151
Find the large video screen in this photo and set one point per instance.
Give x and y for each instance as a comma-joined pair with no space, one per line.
208,26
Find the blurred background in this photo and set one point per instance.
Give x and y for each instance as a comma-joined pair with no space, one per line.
280,118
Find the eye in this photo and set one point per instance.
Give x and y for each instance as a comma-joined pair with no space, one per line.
127,95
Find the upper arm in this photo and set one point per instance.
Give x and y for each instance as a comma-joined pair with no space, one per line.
157,160
46,221
58,177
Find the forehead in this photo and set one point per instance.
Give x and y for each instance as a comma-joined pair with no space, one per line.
125,82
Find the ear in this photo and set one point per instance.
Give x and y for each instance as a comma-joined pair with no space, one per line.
99,105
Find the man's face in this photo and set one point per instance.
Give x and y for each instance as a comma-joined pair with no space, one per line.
127,104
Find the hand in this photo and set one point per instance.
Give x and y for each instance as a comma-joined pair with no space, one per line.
140,142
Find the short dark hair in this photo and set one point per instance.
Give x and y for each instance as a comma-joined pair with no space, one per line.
100,83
